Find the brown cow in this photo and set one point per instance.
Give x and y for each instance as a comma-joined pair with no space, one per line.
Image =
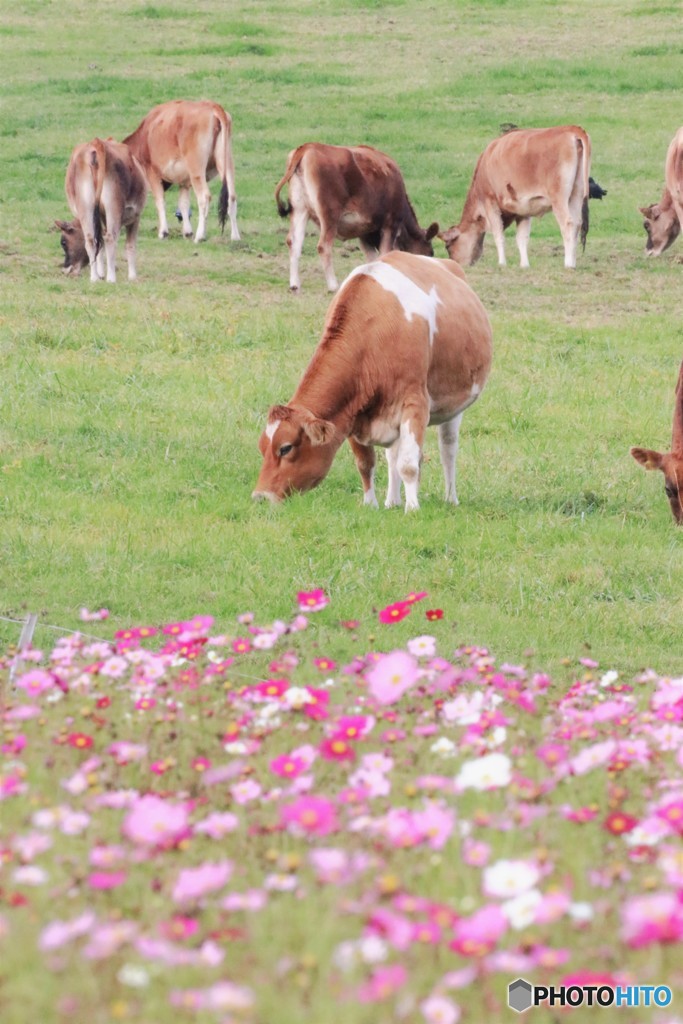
406,343
350,192
106,190
670,463
520,175
664,220
188,143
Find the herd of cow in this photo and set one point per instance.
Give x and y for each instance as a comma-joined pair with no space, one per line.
406,342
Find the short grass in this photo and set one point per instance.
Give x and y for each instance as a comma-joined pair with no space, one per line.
129,416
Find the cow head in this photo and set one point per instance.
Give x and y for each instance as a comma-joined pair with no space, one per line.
465,247
419,243
670,463
662,227
298,449
73,244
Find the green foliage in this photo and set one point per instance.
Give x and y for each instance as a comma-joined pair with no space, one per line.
129,416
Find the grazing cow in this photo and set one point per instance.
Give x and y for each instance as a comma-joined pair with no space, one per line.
406,343
106,190
523,174
664,220
350,192
670,463
188,143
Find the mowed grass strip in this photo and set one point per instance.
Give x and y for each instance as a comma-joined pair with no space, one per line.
129,416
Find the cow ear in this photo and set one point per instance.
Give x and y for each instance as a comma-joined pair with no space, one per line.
279,412
647,458
64,226
319,431
450,235
645,210
432,231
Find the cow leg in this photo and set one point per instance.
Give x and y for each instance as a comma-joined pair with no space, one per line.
365,461
410,443
369,251
157,190
111,237
203,194
496,224
96,261
131,244
522,238
325,242
201,190
184,207
448,450
295,241
394,485
570,225
387,240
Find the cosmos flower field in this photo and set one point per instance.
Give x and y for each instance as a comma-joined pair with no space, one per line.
230,823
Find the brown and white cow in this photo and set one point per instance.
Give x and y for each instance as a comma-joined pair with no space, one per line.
106,190
406,343
349,192
188,143
664,220
520,175
670,463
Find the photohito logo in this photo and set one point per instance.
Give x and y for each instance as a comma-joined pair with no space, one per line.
522,995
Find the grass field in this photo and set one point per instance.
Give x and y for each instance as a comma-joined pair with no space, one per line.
244,824
129,416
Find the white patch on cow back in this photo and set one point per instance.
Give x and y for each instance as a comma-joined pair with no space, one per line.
414,301
271,428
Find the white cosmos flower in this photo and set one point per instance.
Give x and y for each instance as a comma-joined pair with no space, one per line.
297,696
490,772
444,747
507,878
521,910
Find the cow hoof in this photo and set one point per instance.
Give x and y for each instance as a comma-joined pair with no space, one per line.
187,234
163,234
294,289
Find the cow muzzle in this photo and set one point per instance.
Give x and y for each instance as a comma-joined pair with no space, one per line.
266,496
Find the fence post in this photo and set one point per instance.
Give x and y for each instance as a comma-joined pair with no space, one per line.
25,639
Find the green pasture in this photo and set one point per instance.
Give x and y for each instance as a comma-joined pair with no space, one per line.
129,415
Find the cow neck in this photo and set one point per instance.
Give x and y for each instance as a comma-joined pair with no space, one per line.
677,434
331,386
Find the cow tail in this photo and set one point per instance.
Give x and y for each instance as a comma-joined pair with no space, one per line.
585,169
97,169
584,223
293,160
224,164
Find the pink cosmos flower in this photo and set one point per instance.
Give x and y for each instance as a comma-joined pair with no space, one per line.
217,825
246,791
392,676
435,823
106,939
98,616
312,600
440,1010
314,815
383,983
475,853
155,822
58,933
35,682
655,917
478,934
193,883
106,879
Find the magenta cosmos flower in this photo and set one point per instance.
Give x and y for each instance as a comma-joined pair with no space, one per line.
392,675
311,814
312,600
